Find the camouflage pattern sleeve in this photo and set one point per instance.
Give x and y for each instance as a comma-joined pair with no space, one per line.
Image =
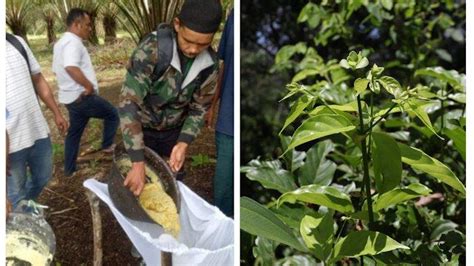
199,105
135,87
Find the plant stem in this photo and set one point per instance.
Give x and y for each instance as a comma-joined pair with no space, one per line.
442,108
365,161
380,119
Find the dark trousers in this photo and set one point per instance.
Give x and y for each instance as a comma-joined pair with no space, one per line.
162,142
80,111
224,176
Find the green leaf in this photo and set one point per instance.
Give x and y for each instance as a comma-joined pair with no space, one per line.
287,51
391,85
292,214
364,243
419,160
387,4
360,85
458,135
321,195
318,233
443,54
318,229
456,80
320,126
258,220
296,260
441,227
418,108
317,169
398,195
293,159
348,107
458,97
344,64
270,175
264,251
304,74
374,86
387,162
296,110
362,63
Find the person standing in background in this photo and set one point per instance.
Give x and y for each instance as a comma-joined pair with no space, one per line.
224,175
78,88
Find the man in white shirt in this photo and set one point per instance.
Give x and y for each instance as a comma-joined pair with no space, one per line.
78,88
29,147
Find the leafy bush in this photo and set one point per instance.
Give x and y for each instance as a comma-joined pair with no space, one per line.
350,193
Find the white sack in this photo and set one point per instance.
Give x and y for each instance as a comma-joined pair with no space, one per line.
206,237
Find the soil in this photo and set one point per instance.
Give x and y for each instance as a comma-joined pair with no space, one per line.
69,213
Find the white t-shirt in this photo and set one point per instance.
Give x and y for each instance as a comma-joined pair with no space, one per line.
70,51
25,122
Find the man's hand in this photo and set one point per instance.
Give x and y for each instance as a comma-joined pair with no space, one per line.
89,90
135,180
178,154
61,123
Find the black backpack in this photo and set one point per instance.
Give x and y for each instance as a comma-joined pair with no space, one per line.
165,36
17,44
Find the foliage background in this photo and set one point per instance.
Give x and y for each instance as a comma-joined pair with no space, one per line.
402,36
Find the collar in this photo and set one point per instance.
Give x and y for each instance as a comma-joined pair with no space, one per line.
73,35
201,62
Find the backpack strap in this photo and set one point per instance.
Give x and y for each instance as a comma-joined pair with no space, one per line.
17,44
164,33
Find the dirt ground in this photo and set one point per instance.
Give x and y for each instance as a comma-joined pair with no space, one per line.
69,213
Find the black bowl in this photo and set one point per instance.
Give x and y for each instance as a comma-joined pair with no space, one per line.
124,200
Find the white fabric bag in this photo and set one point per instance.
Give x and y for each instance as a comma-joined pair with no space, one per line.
206,237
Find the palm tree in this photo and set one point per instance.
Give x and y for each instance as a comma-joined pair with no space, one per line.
109,13
140,17
46,8
17,16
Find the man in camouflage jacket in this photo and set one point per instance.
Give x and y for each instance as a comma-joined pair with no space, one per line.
166,115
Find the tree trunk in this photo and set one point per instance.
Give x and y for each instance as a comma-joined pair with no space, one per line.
110,27
50,29
93,38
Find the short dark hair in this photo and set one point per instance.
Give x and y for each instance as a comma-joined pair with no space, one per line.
74,14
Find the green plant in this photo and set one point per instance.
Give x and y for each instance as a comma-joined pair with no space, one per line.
58,152
346,194
18,14
201,160
140,17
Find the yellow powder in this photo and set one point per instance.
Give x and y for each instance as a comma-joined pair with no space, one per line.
125,165
27,247
160,207
154,200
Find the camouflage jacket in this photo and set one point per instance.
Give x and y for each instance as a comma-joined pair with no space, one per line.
164,104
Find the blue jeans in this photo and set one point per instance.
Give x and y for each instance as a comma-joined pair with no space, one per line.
24,184
80,111
224,176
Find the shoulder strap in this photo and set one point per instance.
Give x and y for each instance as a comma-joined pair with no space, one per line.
17,44
165,50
